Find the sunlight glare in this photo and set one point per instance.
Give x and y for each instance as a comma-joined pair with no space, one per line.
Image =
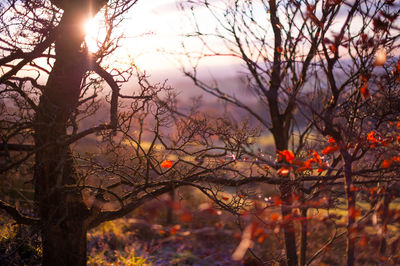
92,30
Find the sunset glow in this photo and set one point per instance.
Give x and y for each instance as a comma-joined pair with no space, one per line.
93,29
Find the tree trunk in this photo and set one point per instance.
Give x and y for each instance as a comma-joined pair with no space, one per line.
61,207
351,209
280,131
303,237
64,243
384,213
63,213
288,229
286,189
170,208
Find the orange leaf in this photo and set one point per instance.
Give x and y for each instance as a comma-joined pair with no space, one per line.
373,190
308,163
387,163
175,229
283,171
364,90
287,156
330,149
166,164
261,238
353,188
317,157
372,137
274,217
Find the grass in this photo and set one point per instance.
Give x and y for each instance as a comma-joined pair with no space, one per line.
203,237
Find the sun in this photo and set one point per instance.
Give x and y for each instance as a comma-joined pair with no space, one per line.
93,31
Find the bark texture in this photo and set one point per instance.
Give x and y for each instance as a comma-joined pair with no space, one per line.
60,203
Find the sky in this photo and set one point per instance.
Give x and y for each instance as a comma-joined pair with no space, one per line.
150,28
153,32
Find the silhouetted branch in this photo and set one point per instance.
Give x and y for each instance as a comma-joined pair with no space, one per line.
16,147
16,215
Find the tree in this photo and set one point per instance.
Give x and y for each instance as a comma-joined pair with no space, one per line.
295,55
51,92
50,35
363,103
